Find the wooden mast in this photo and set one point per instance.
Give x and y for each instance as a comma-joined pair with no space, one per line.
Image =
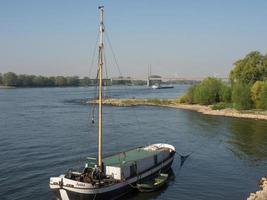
100,68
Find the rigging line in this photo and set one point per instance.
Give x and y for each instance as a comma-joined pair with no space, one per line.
107,92
106,73
95,96
92,116
94,196
92,109
93,55
118,68
113,54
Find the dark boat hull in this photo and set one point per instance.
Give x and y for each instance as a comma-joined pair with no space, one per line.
114,194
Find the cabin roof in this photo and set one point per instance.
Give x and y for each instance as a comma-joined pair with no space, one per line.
128,157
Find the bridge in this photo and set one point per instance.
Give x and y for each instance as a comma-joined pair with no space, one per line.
152,80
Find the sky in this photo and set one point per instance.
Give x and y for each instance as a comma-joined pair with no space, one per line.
178,38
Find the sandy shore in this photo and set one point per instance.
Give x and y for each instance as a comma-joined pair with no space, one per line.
224,112
260,194
251,114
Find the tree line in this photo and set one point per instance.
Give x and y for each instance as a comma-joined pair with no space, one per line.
22,80
247,88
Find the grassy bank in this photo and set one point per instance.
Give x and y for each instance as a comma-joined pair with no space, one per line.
174,103
137,102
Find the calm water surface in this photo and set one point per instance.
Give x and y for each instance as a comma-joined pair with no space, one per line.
45,131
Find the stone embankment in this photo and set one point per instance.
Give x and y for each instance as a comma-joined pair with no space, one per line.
262,193
228,112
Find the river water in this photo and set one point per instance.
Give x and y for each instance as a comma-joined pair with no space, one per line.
45,131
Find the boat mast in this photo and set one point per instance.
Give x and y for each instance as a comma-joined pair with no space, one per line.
100,68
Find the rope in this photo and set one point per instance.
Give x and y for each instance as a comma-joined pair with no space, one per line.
94,197
92,112
134,187
120,73
183,158
93,55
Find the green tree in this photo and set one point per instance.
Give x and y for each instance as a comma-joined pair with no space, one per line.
225,93
72,81
263,96
10,79
208,91
189,95
51,81
250,69
84,82
40,81
255,93
60,81
1,79
25,80
241,96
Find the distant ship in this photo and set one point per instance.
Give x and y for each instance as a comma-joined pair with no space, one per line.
112,176
162,87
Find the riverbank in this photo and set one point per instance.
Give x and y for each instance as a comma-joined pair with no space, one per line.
207,110
7,87
262,193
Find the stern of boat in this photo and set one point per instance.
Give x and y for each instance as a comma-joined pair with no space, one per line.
160,145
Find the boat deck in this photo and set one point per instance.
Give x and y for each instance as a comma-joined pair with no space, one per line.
127,157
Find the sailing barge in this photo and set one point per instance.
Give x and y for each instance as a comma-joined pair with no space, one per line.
112,176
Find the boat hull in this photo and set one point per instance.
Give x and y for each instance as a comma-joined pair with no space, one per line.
115,191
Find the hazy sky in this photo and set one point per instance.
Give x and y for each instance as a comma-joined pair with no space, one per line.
189,38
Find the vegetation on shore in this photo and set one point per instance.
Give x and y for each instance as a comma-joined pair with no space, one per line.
244,97
247,88
173,103
13,80
136,102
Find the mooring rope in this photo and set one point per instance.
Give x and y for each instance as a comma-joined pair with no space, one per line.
94,197
183,158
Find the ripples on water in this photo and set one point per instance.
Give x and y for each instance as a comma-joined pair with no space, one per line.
45,131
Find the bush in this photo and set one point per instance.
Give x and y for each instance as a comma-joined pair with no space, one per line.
220,106
189,95
10,79
182,99
225,94
241,96
255,93
210,91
